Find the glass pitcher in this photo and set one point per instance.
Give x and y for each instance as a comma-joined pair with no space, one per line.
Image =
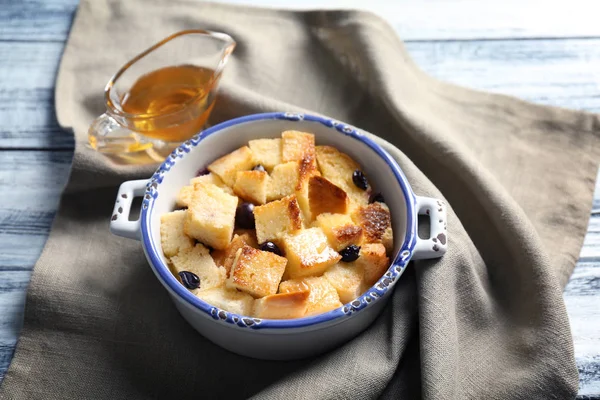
162,97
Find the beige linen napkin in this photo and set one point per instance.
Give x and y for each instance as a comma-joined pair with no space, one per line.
485,322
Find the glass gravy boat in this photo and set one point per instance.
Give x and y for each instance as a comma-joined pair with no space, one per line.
161,97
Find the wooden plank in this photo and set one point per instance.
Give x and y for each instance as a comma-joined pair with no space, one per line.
561,73
582,296
582,299
36,20
556,72
13,287
30,183
25,178
27,96
591,246
50,20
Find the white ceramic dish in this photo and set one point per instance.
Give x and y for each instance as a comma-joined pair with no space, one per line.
280,339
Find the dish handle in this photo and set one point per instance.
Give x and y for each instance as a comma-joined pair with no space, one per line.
120,224
435,245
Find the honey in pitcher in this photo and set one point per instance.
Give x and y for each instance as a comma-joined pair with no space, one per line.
172,103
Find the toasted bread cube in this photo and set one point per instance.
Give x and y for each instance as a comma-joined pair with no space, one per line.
252,186
341,231
184,196
296,146
277,218
323,296
284,180
294,285
227,166
282,306
302,197
199,261
256,272
211,178
338,168
308,253
267,152
172,237
374,261
211,216
307,168
347,279
325,197
227,299
374,219
225,258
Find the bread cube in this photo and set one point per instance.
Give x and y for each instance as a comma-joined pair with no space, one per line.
307,169
294,285
308,253
323,296
341,231
211,216
184,196
347,279
256,272
172,237
198,260
282,306
267,152
374,219
296,146
374,262
211,178
229,300
225,258
338,168
252,186
277,218
284,180
325,197
227,166
302,197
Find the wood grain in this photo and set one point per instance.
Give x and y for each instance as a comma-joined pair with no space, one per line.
562,73
36,20
414,20
13,286
30,183
27,96
582,299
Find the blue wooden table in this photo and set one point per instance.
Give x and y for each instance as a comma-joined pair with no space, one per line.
540,51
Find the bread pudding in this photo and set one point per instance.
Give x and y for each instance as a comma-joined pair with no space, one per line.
279,229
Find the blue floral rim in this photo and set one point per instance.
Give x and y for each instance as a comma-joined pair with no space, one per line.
385,283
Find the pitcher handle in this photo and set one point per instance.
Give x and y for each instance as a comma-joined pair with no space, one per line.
106,135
